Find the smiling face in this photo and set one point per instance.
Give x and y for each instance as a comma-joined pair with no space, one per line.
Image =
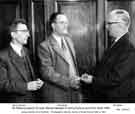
60,26
21,34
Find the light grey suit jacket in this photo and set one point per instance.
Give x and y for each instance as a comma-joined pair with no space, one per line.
54,70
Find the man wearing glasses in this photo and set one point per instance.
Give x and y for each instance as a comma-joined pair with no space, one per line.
58,64
17,80
114,77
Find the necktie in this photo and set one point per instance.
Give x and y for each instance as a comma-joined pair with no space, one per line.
63,44
27,64
22,53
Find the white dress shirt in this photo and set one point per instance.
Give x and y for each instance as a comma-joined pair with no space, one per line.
58,39
16,48
67,55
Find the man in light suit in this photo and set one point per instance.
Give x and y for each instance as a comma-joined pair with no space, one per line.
58,64
114,77
17,79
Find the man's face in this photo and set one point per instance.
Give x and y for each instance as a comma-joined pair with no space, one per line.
21,34
60,27
113,26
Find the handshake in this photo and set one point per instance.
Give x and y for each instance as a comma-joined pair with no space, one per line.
86,78
75,80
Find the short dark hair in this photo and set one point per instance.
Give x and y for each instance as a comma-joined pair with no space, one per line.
53,18
14,24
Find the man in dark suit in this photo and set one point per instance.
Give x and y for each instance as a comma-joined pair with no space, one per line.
17,79
114,77
58,64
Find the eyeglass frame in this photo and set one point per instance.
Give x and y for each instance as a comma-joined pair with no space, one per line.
61,22
23,30
110,23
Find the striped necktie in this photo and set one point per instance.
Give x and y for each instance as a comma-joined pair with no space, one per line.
63,44
22,52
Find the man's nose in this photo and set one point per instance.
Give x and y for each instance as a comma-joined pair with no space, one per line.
28,34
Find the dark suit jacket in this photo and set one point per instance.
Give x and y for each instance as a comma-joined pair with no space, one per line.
13,78
55,72
114,79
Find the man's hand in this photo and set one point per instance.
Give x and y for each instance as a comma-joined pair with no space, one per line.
75,82
34,85
87,78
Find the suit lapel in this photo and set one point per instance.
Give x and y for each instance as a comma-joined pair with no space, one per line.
29,63
117,48
59,51
56,48
71,49
16,62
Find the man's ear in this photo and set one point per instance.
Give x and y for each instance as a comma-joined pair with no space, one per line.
52,25
12,34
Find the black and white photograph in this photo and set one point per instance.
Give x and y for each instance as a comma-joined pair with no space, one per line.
73,55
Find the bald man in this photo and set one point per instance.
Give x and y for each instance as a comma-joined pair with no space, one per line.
113,80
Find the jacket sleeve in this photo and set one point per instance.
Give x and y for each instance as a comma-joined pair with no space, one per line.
47,68
8,85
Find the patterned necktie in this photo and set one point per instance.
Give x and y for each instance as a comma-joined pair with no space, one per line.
22,52
63,44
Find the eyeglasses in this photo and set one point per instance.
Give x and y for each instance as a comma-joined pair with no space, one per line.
110,23
61,22
22,30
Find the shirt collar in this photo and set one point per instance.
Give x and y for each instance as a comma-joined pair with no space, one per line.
16,48
57,38
120,36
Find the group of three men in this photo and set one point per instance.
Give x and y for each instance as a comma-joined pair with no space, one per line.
112,80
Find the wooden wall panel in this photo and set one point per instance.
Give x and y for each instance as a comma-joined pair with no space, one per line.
40,13
100,27
7,14
114,4
132,26
39,21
